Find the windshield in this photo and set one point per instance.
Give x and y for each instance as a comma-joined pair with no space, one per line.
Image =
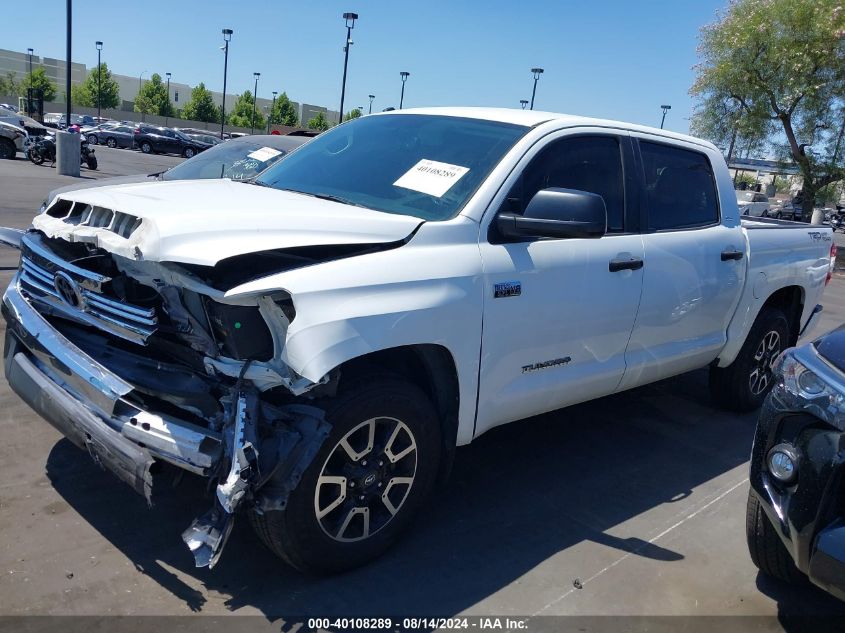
238,161
412,164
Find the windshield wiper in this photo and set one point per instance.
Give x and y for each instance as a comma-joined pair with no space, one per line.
330,197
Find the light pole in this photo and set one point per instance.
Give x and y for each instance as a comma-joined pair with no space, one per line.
666,109
404,75
272,109
167,111
99,46
371,103
30,92
523,103
139,79
536,72
350,24
254,100
227,35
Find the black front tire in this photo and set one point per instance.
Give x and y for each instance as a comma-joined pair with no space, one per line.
734,387
92,162
767,551
296,535
146,148
111,143
92,139
189,152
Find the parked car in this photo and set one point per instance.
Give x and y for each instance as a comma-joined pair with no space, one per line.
796,515
162,140
114,136
752,203
12,140
205,138
30,125
312,338
92,132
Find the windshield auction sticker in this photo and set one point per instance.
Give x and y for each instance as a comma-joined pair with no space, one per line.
431,177
264,154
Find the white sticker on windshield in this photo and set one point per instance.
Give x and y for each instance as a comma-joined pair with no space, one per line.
264,154
431,177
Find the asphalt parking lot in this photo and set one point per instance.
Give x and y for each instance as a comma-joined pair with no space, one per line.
630,505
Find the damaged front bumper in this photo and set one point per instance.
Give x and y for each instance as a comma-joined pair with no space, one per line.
93,407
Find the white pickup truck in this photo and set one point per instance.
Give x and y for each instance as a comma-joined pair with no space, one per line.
318,340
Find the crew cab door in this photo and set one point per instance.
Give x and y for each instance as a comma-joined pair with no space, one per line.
558,312
694,265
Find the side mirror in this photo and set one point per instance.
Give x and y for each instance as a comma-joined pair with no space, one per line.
557,213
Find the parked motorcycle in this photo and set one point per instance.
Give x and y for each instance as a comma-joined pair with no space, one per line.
44,149
837,222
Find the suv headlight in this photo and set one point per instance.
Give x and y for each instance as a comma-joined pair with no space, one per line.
799,388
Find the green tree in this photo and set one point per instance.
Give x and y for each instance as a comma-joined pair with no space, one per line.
319,122
241,115
283,113
38,79
8,84
201,106
86,94
783,63
352,114
153,98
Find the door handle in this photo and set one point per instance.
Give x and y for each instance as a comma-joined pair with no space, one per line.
633,263
731,255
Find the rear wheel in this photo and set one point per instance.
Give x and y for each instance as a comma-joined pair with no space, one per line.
111,142
146,147
742,385
92,138
370,477
189,152
768,552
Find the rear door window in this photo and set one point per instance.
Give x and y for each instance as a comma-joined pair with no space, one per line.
680,188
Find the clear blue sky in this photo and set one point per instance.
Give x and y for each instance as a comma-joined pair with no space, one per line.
607,58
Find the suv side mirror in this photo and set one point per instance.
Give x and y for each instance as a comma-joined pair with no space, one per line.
557,213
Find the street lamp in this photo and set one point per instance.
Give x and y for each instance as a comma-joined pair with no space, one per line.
272,109
99,46
371,103
523,103
29,109
666,109
350,24
254,100
167,111
227,35
537,72
404,75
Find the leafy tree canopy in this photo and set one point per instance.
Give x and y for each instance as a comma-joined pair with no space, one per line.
241,115
9,84
38,80
87,93
318,122
153,98
352,114
201,106
779,65
283,112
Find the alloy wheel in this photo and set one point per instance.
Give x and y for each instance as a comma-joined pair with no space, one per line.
764,360
366,479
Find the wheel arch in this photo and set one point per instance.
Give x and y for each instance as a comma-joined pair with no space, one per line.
432,368
790,300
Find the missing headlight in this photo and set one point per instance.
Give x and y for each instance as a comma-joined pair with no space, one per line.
240,331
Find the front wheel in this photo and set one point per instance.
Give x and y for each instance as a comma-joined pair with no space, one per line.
146,147
92,139
7,149
36,156
111,143
371,476
189,152
92,162
767,551
742,385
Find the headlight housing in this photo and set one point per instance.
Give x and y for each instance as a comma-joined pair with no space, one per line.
798,387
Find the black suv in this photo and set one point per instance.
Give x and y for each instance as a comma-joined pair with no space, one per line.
161,140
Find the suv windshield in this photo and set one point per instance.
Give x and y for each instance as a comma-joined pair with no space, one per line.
411,164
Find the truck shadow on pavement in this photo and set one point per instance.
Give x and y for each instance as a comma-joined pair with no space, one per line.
518,496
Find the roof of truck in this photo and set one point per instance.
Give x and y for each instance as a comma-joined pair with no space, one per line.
536,117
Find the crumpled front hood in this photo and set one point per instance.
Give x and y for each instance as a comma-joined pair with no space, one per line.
203,222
